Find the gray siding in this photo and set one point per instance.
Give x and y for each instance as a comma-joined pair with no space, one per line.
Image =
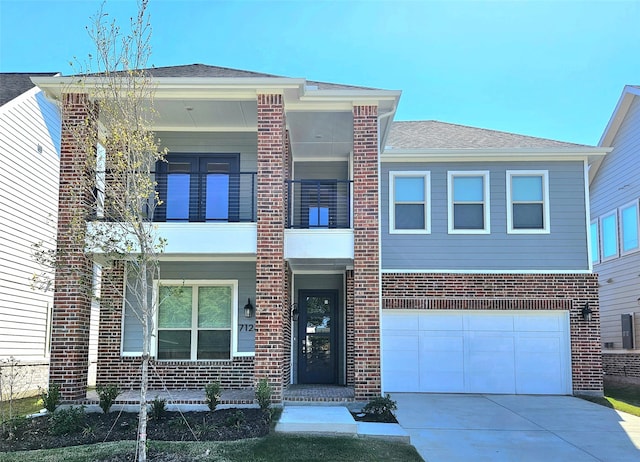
243,272
214,143
617,184
321,170
564,249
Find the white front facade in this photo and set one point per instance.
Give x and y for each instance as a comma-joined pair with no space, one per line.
523,352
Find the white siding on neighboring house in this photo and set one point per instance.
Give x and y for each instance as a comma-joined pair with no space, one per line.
29,162
616,185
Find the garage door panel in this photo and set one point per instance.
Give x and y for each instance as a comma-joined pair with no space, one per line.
490,342
442,382
491,322
539,323
402,380
537,344
441,341
398,340
399,321
440,322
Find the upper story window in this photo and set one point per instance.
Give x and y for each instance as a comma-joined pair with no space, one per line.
595,240
629,227
195,320
527,201
609,235
409,202
199,188
468,199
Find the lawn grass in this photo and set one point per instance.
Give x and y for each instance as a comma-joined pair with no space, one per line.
21,407
620,396
273,448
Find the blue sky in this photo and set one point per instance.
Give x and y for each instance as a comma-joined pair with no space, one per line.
553,69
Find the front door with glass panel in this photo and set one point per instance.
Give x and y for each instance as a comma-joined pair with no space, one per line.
199,188
317,336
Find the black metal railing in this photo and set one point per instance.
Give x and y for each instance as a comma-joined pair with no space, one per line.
195,197
319,204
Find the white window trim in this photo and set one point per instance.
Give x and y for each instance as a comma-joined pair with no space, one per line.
545,201
427,205
613,214
194,331
486,192
621,227
597,241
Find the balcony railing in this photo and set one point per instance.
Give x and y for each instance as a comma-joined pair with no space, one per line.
198,197
319,204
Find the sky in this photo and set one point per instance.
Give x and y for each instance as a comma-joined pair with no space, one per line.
552,69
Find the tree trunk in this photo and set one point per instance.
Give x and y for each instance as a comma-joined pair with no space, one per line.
142,416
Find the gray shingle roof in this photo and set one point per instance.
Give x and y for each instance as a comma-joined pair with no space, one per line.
13,84
204,70
431,134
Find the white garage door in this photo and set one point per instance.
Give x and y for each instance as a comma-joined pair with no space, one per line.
522,352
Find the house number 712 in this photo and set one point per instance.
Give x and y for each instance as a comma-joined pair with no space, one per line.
245,327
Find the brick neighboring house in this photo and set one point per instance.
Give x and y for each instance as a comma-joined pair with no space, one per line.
615,192
375,255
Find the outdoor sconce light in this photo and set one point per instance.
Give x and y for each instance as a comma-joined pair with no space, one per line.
248,309
294,312
586,312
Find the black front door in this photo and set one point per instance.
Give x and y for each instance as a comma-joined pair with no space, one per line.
317,336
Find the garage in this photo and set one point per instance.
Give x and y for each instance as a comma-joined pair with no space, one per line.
443,351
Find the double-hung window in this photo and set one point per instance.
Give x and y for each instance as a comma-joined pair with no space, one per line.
527,201
409,202
629,227
195,320
468,199
609,235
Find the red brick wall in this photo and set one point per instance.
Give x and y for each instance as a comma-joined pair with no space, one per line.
350,349
72,296
366,276
125,371
512,292
271,310
621,364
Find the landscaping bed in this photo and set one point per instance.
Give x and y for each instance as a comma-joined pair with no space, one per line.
79,428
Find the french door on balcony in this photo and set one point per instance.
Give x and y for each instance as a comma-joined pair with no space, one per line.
199,188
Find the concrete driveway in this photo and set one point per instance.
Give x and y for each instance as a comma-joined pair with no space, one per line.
451,428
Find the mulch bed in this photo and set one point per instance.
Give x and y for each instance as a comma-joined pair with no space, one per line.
221,425
364,417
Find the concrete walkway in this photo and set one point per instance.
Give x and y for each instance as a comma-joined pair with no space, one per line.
452,428
334,420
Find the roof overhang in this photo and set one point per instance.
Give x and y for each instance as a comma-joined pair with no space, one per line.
501,154
619,113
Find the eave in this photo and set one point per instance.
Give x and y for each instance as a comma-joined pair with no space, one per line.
495,154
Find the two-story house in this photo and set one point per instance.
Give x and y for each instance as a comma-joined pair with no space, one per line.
615,191
318,242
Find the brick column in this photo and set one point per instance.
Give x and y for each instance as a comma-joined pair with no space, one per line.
271,312
72,297
366,271
350,350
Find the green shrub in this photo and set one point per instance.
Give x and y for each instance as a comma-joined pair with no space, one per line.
235,419
67,421
158,408
213,393
50,398
13,429
263,394
382,407
107,394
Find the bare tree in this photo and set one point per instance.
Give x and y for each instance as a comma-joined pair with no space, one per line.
121,181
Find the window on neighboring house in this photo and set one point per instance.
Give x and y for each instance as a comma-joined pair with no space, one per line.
101,166
409,202
629,227
527,202
195,321
595,239
609,235
468,198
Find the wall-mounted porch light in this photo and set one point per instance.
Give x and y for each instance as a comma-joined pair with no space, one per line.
294,312
586,312
248,309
